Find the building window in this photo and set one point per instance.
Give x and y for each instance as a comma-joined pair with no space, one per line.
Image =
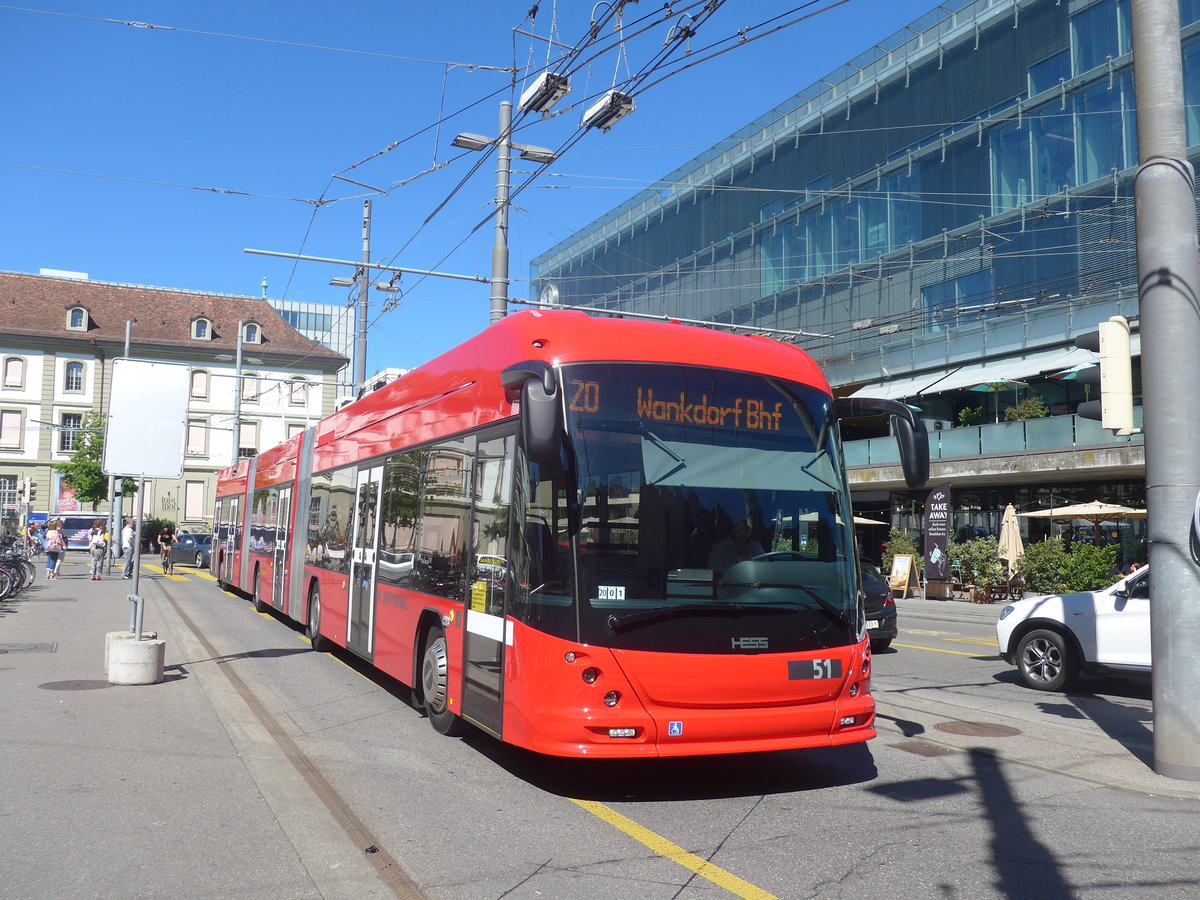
250,333
74,379
68,432
199,384
1106,136
293,429
14,372
1100,31
1011,173
196,434
251,387
297,391
248,440
193,501
77,318
10,429
201,330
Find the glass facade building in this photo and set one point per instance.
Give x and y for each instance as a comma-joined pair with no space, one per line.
959,194
330,326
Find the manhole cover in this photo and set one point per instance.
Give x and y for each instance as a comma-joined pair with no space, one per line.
29,648
74,685
976,729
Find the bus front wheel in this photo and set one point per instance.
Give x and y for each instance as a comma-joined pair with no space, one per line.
435,684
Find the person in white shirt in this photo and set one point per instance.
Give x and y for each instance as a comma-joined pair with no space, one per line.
127,536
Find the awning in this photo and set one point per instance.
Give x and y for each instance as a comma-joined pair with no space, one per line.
1007,369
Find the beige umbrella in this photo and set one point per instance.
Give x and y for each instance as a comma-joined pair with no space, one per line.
1094,512
1011,547
863,520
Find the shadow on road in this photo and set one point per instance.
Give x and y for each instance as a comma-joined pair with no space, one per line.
688,778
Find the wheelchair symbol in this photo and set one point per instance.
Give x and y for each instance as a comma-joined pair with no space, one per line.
675,728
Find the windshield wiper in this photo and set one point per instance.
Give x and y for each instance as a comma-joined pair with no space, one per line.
828,608
663,613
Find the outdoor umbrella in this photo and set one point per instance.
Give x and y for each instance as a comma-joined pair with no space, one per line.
1011,547
995,387
1094,512
863,520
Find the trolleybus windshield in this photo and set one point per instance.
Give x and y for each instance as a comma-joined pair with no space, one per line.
714,512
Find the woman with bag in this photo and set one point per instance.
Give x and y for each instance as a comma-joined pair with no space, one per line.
97,545
56,546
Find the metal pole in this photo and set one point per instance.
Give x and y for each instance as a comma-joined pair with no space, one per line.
500,248
237,396
364,285
1168,290
136,609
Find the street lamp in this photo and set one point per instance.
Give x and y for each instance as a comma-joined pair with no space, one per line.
505,145
237,389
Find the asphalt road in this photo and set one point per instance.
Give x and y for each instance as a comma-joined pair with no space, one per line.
976,787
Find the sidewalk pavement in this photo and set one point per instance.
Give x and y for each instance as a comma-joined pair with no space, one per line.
170,789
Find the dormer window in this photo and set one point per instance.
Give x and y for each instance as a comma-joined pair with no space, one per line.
250,333
77,318
201,329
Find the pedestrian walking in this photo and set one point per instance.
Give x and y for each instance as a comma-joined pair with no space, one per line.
127,536
56,546
97,546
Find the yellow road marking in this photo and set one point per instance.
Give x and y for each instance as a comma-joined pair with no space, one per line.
674,852
938,650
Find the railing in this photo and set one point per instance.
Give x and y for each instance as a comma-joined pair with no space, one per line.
998,439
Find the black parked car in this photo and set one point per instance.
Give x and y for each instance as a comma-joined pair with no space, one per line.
879,606
192,550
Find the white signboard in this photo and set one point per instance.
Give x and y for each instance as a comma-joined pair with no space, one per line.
147,419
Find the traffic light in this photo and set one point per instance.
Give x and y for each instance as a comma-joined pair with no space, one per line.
1114,376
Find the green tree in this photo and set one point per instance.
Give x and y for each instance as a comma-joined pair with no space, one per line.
980,563
83,472
1041,567
1029,408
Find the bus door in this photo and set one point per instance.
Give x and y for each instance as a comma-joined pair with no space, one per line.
283,543
483,673
232,530
362,561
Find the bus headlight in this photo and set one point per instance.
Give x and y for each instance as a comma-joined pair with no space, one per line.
612,698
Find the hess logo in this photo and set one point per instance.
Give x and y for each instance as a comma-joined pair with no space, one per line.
749,643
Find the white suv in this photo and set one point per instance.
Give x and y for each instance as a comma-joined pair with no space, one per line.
1052,639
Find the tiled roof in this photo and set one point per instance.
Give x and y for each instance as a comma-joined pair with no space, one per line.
36,306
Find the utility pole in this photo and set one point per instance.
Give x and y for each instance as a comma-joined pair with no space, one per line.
364,284
1168,291
500,247
237,397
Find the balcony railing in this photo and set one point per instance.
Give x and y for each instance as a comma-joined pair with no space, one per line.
1055,433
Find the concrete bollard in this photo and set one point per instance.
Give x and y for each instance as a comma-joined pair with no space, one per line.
113,636
136,662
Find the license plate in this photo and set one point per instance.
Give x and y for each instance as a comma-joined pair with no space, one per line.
872,623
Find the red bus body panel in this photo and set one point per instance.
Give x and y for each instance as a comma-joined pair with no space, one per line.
722,703
677,704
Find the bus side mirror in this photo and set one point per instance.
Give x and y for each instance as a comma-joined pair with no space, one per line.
542,425
909,428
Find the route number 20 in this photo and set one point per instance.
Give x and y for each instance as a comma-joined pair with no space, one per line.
585,396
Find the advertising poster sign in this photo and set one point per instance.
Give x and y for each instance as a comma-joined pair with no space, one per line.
937,533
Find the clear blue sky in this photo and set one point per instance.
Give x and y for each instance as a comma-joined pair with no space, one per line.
156,155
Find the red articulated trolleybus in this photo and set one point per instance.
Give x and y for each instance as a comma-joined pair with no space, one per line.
584,536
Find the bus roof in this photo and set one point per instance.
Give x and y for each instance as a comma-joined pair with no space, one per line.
461,389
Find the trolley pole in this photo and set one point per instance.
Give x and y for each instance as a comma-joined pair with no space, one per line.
1168,297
